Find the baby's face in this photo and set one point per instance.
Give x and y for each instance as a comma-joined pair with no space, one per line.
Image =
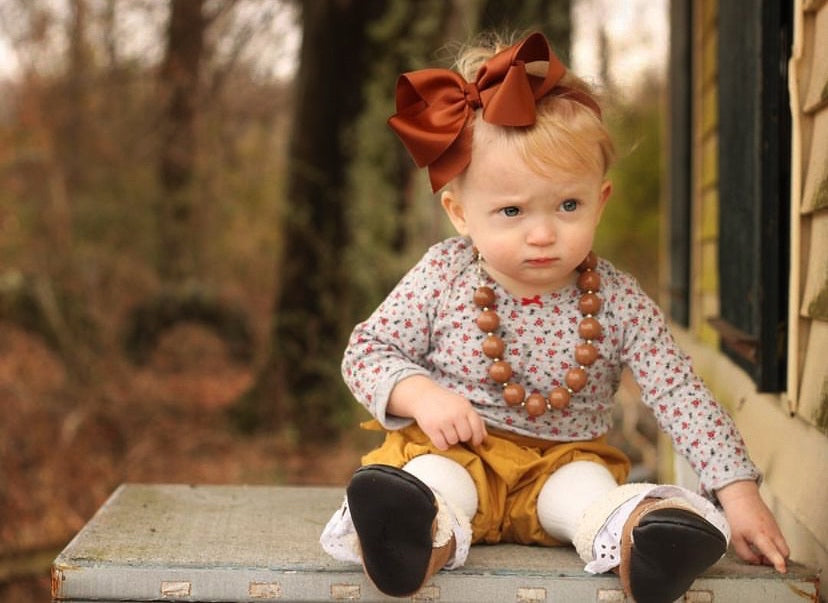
532,230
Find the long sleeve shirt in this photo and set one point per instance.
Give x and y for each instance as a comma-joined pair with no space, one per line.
426,326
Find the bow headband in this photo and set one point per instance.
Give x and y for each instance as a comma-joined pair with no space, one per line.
434,105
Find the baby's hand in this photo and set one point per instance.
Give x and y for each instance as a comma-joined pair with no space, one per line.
448,418
445,417
755,536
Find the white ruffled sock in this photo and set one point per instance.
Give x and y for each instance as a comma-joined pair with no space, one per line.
339,538
598,537
456,497
451,521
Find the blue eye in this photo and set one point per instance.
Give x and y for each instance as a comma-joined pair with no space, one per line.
569,205
511,211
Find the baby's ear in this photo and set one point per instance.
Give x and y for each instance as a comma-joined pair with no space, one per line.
606,191
455,211
603,197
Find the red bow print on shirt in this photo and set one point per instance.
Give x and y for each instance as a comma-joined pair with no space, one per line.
531,300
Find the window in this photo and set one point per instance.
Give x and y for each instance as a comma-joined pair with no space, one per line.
754,185
741,104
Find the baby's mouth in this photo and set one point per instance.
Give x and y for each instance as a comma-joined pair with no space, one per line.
541,261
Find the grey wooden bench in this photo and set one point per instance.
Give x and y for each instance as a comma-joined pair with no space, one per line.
260,543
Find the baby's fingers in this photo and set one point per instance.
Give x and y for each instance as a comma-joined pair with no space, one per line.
464,430
774,552
745,551
480,432
478,429
437,438
451,436
469,427
763,550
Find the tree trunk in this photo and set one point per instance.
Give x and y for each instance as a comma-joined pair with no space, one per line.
390,205
299,387
179,79
183,298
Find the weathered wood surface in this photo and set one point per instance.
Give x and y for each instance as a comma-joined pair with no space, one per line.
259,543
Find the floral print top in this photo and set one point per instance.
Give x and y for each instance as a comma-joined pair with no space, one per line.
426,326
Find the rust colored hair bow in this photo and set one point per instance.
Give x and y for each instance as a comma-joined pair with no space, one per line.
434,105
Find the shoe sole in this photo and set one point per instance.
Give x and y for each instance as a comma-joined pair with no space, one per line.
393,514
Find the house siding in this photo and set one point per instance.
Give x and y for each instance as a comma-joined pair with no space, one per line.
786,433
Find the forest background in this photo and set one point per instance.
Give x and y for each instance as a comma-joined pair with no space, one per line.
193,217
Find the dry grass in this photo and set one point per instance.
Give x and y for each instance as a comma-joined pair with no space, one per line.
65,447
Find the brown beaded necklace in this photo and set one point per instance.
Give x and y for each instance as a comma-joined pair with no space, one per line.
589,283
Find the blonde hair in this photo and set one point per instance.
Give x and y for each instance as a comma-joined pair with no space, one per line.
567,135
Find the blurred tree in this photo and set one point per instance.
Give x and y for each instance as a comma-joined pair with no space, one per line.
41,298
180,207
78,127
629,229
391,213
299,386
551,17
179,91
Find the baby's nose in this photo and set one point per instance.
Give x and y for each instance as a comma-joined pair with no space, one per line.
541,232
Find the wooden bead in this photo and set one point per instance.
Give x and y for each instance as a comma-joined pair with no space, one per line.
576,379
484,297
589,281
488,321
590,328
585,354
535,405
559,398
500,371
590,262
589,304
514,394
493,347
